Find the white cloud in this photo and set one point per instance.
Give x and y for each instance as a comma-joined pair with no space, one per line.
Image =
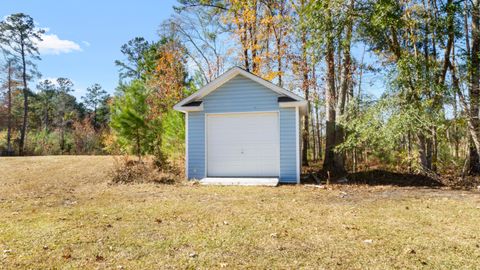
86,43
52,44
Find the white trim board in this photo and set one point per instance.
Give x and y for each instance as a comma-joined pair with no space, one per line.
186,145
239,181
297,142
248,112
295,104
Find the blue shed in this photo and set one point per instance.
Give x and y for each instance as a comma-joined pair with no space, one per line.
240,126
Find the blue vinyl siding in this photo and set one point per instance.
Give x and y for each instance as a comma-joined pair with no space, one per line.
196,145
288,150
241,94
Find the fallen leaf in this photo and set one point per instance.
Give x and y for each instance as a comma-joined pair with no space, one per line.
99,258
347,227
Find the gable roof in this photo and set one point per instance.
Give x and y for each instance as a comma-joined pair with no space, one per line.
227,76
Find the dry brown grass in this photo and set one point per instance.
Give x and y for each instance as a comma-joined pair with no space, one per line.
61,213
133,171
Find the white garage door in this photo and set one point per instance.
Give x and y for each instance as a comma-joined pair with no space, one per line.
244,144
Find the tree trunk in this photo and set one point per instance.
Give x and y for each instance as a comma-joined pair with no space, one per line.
409,151
474,85
319,131
342,96
62,123
279,61
95,116
139,153
23,131
354,160
245,47
422,151
346,72
313,140
455,128
433,164
428,144
9,117
425,144
305,86
252,29
330,163
474,137
62,137
45,116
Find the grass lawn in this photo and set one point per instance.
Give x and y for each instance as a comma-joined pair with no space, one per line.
60,212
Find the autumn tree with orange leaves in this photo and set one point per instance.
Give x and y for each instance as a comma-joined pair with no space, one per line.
142,115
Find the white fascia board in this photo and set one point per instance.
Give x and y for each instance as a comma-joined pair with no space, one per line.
186,145
188,108
302,105
209,87
269,85
297,142
213,85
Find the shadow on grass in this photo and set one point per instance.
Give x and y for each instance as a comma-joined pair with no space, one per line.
376,178
380,177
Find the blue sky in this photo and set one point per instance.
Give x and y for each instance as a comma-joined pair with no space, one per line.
84,37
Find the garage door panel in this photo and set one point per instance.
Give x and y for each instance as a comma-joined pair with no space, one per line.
243,144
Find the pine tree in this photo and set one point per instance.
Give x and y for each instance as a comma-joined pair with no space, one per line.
19,35
129,117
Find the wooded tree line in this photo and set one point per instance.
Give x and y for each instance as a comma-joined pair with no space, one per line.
47,118
426,52
44,118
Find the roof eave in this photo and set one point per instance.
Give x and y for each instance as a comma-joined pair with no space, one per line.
186,109
302,105
213,85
